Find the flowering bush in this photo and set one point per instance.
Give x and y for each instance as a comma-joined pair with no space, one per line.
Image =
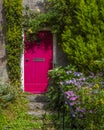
84,93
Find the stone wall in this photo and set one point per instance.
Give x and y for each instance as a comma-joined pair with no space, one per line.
3,71
35,5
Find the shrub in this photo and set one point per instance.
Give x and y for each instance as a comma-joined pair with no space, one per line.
83,35
85,95
7,94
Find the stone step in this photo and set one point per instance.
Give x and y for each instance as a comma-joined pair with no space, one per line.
37,98
37,105
38,113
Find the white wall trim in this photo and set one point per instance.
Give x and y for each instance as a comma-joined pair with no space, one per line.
22,65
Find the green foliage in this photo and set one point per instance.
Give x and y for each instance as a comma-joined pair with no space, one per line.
6,95
100,63
83,37
22,121
13,110
85,95
19,122
13,14
79,26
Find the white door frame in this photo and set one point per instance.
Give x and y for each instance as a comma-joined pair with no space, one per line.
22,57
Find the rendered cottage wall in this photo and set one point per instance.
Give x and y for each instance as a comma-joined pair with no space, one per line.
3,70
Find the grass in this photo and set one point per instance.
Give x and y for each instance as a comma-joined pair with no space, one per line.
15,117
13,113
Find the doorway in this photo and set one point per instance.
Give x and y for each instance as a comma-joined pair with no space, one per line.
38,57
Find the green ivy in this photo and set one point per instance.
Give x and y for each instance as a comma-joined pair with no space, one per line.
13,14
79,25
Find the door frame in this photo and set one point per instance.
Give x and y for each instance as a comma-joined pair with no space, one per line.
22,56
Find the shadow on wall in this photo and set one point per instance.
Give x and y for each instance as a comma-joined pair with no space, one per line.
61,57
3,56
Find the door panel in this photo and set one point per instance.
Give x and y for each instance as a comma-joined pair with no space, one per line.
37,62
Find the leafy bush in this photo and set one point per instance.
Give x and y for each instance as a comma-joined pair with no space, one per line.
7,94
83,36
85,95
100,63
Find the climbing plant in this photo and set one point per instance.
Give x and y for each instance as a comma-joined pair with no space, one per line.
79,25
13,14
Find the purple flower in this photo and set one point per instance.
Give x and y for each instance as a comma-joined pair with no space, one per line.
70,93
71,96
82,110
68,82
69,72
82,79
91,73
78,74
90,111
61,83
72,103
90,85
73,80
77,84
74,98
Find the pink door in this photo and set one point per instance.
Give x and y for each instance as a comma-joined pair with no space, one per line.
37,62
